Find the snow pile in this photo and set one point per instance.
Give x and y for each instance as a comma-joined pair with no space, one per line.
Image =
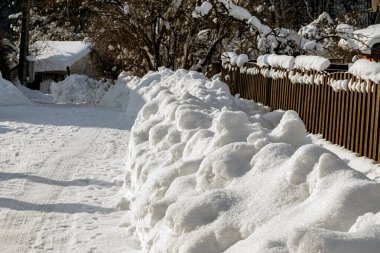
277,61
78,89
366,70
311,62
208,172
10,95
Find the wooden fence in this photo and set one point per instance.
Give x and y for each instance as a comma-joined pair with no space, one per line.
340,106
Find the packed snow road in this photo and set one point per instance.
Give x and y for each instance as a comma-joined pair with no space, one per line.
61,170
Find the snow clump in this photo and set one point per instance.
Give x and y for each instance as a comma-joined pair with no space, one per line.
10,95
202,10
78,89
209,172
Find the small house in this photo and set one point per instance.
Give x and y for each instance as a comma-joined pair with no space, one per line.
57,59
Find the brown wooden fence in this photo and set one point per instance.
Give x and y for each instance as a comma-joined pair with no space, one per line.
347,116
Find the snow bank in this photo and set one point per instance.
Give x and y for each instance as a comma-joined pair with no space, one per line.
78,89
35,95
118,95
10,95
208,172
277,61
366,70
311,62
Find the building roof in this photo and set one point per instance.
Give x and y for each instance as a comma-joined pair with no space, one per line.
57,55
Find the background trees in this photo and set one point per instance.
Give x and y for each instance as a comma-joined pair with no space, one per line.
142,35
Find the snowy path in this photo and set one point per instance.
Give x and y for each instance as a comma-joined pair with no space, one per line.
61,170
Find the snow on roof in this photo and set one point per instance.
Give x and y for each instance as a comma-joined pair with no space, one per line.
57,55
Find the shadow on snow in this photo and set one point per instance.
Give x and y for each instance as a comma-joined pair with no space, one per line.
57,208
42,180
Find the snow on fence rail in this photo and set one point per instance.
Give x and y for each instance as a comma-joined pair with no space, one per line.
342,107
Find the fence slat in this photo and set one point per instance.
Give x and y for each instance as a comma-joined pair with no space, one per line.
376,149
323,107
329,113
368,122
372,125
346,108
358,120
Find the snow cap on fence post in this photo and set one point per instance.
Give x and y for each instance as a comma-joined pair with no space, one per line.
241,60
312,62
234,59
276,61
366,70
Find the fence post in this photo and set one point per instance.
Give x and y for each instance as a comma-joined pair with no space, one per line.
376,149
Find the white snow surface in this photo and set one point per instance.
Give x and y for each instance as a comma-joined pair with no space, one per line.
78,89
205,172
208,172
311,62
61,171
10,95
366,70
57,55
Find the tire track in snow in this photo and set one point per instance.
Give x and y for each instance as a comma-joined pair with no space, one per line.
56,166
